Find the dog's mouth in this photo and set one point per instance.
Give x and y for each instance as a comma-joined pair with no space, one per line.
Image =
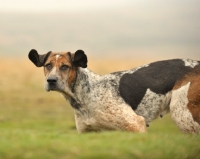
51,87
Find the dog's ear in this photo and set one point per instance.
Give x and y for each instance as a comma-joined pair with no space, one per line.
38,60
80,59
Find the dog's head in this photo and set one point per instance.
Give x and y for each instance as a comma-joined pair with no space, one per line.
60,69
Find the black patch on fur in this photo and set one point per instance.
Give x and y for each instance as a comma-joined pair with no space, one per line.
75,104
159,77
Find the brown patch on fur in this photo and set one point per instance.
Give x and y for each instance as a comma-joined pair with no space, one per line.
71,75
63,59
182,82
193,93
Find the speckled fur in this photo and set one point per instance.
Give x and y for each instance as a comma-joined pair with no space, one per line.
97,101
105,90
153,105
101,106
180,112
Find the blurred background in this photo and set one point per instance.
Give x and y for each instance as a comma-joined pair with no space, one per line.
137,29
115,35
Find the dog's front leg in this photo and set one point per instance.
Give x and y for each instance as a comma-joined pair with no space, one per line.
121,117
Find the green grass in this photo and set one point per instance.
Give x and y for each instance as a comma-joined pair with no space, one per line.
20,143
35,124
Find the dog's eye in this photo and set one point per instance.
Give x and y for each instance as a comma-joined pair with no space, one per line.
48,66
64,67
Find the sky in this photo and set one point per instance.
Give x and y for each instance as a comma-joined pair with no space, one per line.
61,5
156,29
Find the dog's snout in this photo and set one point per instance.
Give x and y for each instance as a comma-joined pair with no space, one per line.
52,80
52,83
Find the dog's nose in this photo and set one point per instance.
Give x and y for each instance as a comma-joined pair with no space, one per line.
52,80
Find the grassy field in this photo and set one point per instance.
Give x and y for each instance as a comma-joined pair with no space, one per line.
35,124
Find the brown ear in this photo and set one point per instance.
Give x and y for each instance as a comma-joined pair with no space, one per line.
38,60
80,59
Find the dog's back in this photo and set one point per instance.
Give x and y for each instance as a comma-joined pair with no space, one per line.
148,89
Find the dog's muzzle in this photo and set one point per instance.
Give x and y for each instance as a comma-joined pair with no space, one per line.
52,83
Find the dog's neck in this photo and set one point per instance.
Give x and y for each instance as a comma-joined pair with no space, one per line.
79,92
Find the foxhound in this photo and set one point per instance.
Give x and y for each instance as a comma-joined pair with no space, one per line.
126,100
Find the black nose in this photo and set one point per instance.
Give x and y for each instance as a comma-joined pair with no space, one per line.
52,80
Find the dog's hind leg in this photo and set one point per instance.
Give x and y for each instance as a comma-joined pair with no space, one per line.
185,107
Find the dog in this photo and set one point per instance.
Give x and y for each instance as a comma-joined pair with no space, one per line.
126,100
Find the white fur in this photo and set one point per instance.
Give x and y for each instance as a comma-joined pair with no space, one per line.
57,56
190,63
180,112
